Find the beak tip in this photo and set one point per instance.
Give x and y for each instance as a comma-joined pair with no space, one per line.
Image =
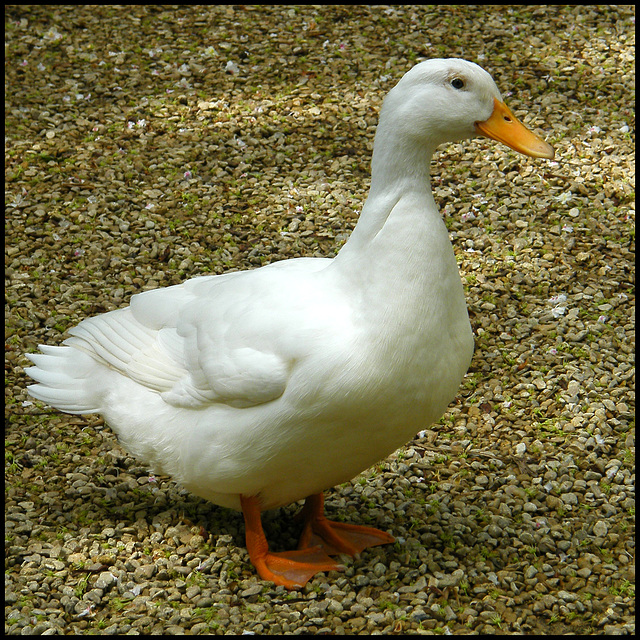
548,151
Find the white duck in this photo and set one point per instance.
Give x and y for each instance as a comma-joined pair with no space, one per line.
255,389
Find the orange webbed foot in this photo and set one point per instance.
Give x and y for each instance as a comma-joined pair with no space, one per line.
336,537
291,569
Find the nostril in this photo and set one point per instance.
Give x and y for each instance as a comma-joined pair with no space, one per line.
507,119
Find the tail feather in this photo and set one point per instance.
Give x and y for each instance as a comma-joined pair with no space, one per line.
50,377
101,353
63,399
64,378
44,361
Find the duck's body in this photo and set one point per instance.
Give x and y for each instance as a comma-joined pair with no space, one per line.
237,410
255,389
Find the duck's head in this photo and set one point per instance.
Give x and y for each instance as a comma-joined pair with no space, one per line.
446,100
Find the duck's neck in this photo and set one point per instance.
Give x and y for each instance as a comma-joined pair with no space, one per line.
399,202
399,257
398,162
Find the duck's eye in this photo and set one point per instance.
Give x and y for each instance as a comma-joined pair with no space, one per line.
457,83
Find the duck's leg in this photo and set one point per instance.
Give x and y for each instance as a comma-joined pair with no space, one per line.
292,569
336,537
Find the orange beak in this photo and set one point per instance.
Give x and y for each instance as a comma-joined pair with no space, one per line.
504,127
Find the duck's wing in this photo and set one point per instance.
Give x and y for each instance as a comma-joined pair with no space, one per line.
216,339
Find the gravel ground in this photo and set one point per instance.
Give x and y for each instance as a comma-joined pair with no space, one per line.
147,145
